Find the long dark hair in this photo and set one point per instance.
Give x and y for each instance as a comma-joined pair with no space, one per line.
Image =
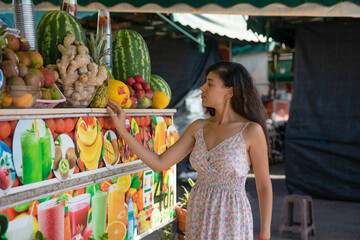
246,99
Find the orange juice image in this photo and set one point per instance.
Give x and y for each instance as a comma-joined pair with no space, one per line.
116,201
160,136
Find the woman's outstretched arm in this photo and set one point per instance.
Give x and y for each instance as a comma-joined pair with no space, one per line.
171,156
259,159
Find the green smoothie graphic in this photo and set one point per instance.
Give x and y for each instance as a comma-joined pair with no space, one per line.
31,155
46,153
99,203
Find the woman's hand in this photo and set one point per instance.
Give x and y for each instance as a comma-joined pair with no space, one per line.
119,120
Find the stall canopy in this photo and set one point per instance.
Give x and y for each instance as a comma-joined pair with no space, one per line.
349,8
231,26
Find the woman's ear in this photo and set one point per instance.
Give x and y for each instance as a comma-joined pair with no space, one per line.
230,92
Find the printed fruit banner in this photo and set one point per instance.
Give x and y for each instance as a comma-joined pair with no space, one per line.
119,208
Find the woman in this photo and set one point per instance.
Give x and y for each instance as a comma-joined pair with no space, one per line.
224,147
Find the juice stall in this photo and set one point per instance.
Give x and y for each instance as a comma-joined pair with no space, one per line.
113,193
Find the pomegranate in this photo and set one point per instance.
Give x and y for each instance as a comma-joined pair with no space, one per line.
5,178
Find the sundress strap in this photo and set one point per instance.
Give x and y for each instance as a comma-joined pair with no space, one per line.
245,126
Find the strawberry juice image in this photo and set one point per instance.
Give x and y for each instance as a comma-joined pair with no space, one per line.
51,219
78,212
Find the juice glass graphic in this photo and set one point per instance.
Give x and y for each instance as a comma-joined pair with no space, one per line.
78,213
99,204
46,153
116,201
21,228
31,156
51,219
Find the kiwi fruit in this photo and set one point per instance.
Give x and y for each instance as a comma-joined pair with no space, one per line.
71,156
16,87
32,79
58,156
23,70
9,68
64,168
9,54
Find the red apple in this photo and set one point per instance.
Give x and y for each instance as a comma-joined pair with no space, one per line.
139,79
49,77
146,86
134,102
5,178
140,93
130,81
137,86
149,94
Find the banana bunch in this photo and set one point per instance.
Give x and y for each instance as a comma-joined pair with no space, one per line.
90,143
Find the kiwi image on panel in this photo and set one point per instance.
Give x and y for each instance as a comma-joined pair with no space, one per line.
65,157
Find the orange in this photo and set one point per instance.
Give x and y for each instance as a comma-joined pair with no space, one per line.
69,125
116,231
60,125
6,100
24,101
123,216
5,130
160,100
8,142
13,125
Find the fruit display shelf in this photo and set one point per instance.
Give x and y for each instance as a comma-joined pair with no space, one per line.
30,192
31,113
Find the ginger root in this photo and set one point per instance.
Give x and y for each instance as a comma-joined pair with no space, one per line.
75,71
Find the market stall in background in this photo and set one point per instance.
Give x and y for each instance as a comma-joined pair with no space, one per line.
65,171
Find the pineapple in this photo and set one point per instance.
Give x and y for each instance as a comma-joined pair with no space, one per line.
97,48
98,52
100,99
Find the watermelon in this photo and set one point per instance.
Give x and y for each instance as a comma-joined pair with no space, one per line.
53,27
157,83
130,56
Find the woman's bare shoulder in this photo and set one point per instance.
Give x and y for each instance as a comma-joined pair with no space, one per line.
194,127
253,131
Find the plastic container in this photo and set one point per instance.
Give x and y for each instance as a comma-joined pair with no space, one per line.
144,99
78,95
43,103
24,16
19,96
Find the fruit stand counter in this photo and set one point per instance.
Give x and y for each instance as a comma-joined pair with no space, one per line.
67,174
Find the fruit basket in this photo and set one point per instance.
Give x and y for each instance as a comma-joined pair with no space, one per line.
144,100
19,96
78,95
46,103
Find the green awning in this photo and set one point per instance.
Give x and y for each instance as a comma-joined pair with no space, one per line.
325,8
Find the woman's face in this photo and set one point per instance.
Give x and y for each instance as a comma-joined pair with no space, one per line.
214,93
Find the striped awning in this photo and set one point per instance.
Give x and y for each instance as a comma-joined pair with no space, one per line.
321,8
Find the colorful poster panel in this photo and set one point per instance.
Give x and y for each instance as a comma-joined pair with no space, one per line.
122,208
111,149
159,134
7,170
172,135
65,157
134,130
164,196
33,150
89,143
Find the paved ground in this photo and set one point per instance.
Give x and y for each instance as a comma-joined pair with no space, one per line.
334,220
